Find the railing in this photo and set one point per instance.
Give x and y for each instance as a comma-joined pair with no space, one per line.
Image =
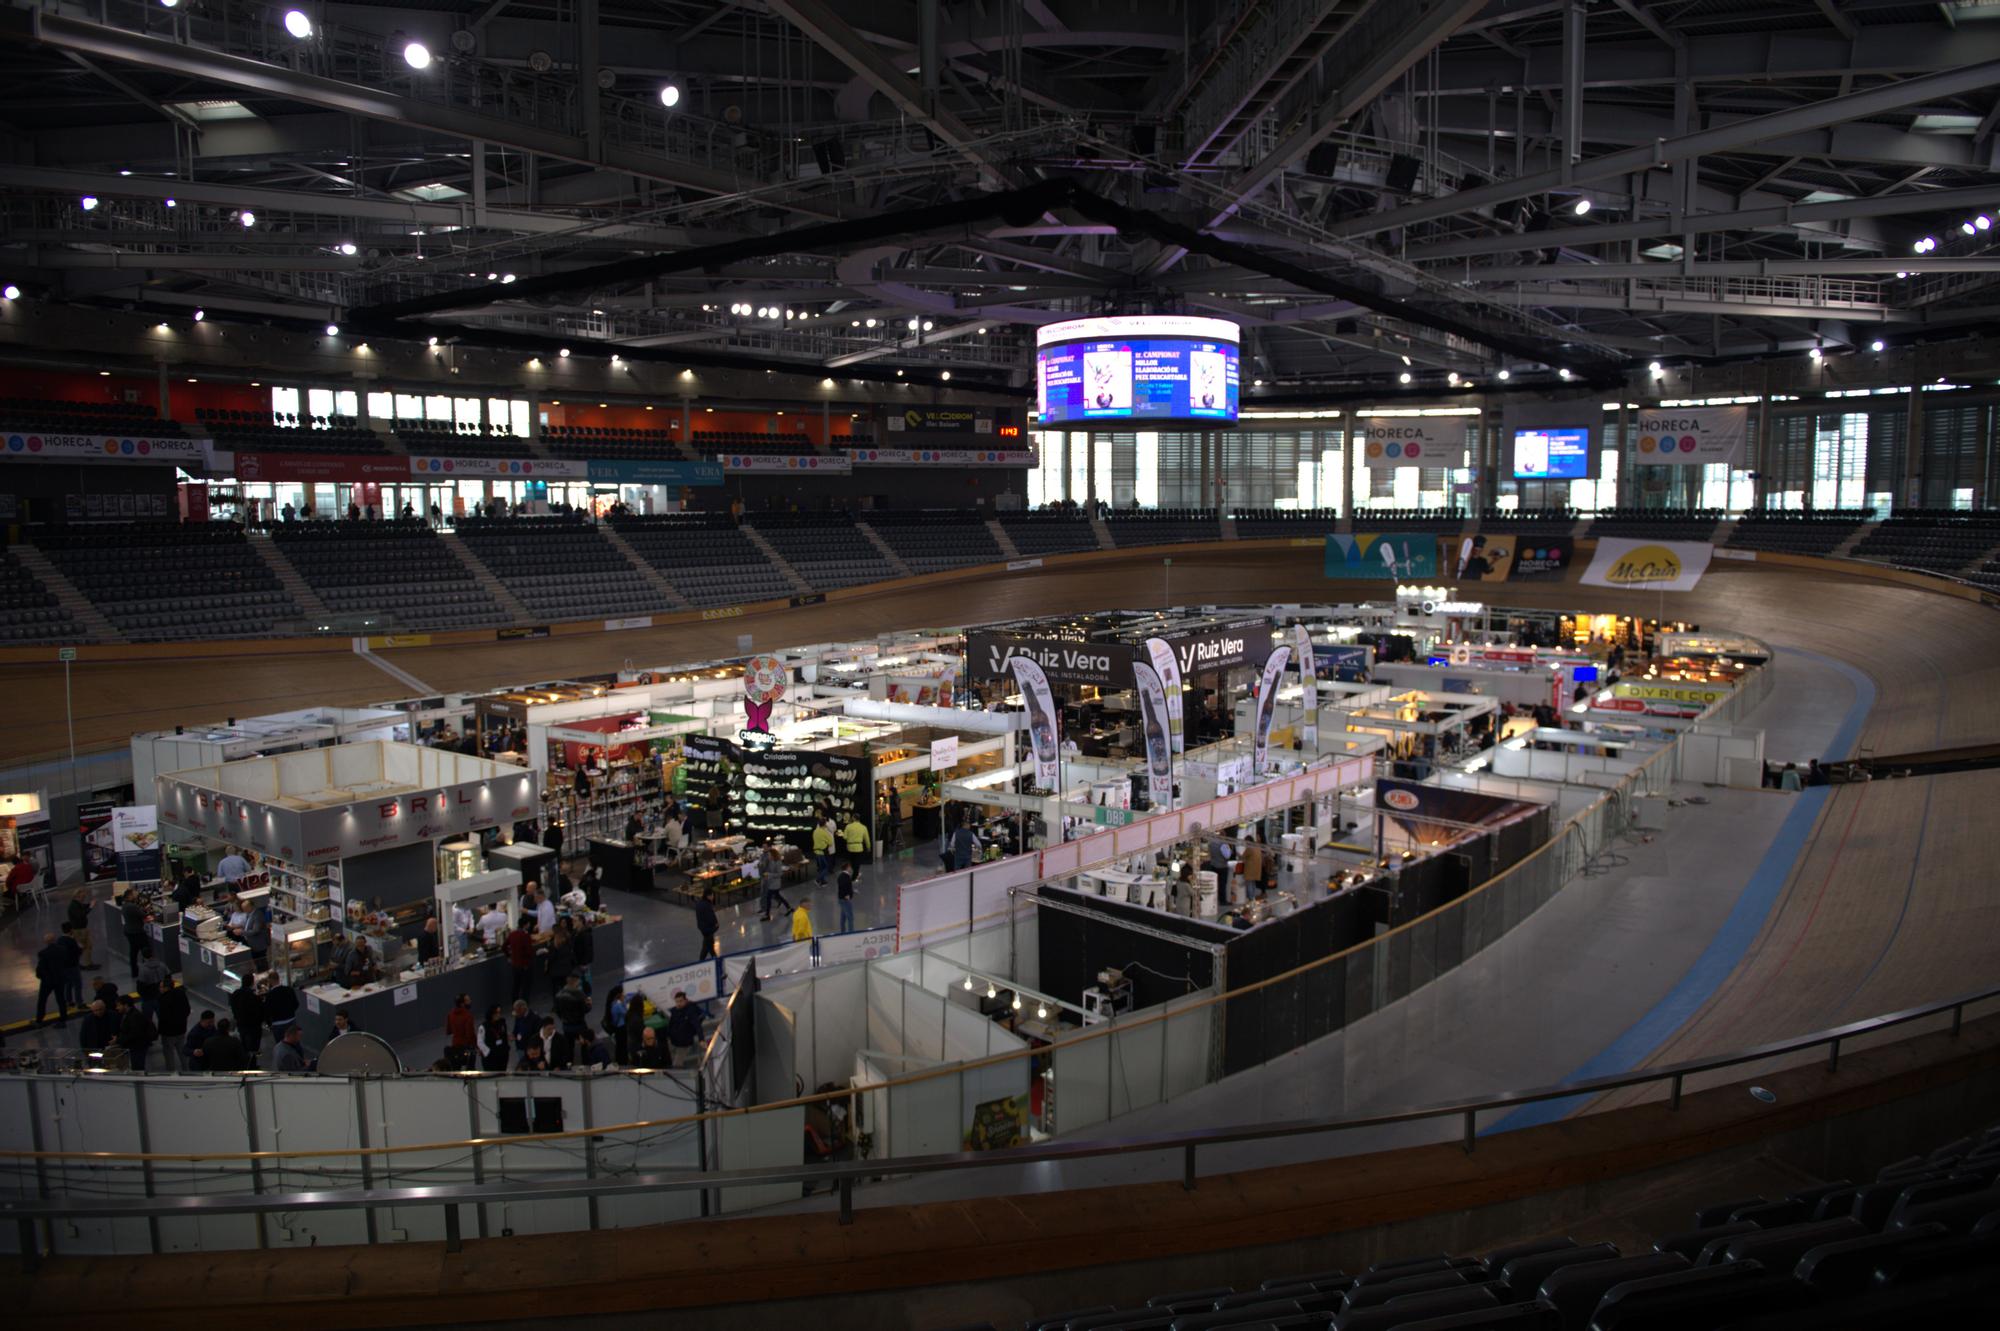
843,1176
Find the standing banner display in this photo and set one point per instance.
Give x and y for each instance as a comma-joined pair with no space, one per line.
1667,566
1309,685
135,837
1043,719
1168,667
93,829
1406,442
1159,746
1689,436
1267,702
1404,557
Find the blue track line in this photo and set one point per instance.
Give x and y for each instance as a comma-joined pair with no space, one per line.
1746,920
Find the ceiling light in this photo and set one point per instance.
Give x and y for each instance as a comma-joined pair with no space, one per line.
1562,373
333,330
945,375
507,279
434,341
982,332
172,204
298,24
1581,207
1451,377
89,202
1404,377
12,292
247,218
1815,353
164,326
564,353
1902,274
1656,368
126,171
1505,375
349,248
854,323
968,983
871,323
1017,1002
788,314
1878,345
670,95
927,325
913,325
106,374
199,315
1256,383
417,56
168,4
1966,227
1982,222
899,374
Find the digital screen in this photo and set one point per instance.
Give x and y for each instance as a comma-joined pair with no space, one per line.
1552,455
1583,674
1144,369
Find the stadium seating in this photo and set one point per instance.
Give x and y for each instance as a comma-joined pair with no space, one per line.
824,548
30,612
560,567
157,581
1796,531
321,434
397,571
1919,1247
1408,519
1049,533
1267,523
106,418
1661,524
715,443
1529,522
931,541
1162,526
1936,540
704,556
608,444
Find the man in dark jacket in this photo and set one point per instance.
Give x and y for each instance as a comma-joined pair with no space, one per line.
281,1007
247,1006
223,1052
197,1040
136,1034
72,967
521,959
152,971
172,1022
99,1027
78,919
683,1024
49,963
572,1008
704,920
552,839
132,917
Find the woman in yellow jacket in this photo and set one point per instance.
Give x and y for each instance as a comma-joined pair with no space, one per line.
802,929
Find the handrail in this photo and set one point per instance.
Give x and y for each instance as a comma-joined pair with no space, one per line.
843,1175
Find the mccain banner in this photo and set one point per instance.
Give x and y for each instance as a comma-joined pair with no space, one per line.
1689,436
1420,442
1666,566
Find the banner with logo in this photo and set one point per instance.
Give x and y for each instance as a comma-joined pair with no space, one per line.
1044,722
946,457
356,467
1402,557
100,846
1689,436
1669,566
1168,668
1413,442
511,469
837,465
135,838
1159,743
1542,558
1438,815
1485,558
1267,702
938,420
645,471
1104,664
189,453
1308,684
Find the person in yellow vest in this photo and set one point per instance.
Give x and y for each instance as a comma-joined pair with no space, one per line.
823,846
855,834
802,930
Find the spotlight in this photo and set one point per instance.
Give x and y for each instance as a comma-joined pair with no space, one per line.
1982,222
564,353
89,202
1017,1002
871,323
349,248
12,292
1877,345
298,24
1562,373
927,325
1657,369
913,325
1256,383
1966,227
493,277
1815,353
1901,275
417,56
168,4
506,279
1404,377
199,315
1452,378
968,983
333,330
247,218
945,375
172,204
982,332
1581,207
670,95
1506,374
991,992
433,342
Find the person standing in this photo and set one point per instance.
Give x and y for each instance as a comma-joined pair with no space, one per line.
281,1007
172,1022
572,1008
1251,869
462,1028
233,868
136,1033
78,918
1789,778
683,1024
1218,861
525,1026
855,834
493,1041
247,1006
290,1055
224,1051
99,1027
772,871
965,849
152,971
521,961
492,926
843,891
822,845
72,964
545,914
705,920
197,1040
552,839
49,963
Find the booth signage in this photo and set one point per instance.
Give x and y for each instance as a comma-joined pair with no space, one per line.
1668,566
944,753
255,467
511,469
1105,664
102,447
641,472
837,465
1689,436
1413,442
1671,690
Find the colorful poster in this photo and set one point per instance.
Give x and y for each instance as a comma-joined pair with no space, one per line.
135,839
1689,436
1402,557
1159,744
189,453
1667,566
1400,441
1044,722
1543,559
93,829
1485,558
822,462
1309,685
941,457
1168,668
1267,703
764,682
518,469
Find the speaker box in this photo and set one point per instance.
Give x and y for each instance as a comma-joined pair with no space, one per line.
831,155
1471,180
1145,138
1403,173
1323,160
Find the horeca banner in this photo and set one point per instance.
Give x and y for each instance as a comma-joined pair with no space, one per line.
1267,702
1402,557
1168,667
1689,436
839,465
101,448
1159,746
1667,566
1308,685
1413,442
941,457
513,469
1043,719
1504,558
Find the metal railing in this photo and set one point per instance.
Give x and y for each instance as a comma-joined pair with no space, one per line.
842,1176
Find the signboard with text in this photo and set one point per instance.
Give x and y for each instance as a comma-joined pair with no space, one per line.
32,444
512,469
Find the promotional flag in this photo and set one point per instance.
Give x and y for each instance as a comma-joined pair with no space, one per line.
1159,747
1267,702
1168,667
1043,720
1309,684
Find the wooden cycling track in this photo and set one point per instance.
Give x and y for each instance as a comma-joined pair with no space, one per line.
1886,907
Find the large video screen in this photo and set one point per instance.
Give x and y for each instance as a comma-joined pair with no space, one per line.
1146,370
1552,455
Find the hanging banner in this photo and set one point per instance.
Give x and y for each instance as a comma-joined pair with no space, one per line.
1689,436
940,457
650,471
1485,558
354,467
135,839
1543,559
1667,566
1309,684
1043,719
1401,441
1153,718
1267,702
101,448
1168,668
513,469
785,462
764,681
93,829
1404,557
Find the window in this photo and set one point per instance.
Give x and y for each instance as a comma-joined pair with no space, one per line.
319,401
437,407
1079,467
518,411
465,411
284,402
1146,469
409,407
346,402
382,406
